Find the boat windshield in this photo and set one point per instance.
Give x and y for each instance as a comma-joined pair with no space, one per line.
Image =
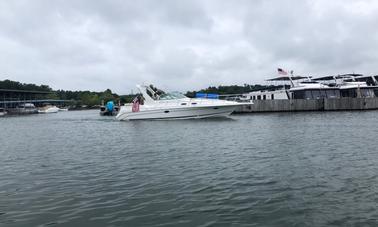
309,82
172,95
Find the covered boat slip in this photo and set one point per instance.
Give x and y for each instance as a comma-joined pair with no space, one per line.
315,93
327,87
309,105
25,102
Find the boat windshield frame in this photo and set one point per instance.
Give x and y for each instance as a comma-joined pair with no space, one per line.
172,96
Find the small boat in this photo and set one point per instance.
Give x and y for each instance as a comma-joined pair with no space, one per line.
63,109
110,109
24,108
48,109
3,112
155,104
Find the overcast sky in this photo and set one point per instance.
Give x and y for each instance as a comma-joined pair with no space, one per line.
182,45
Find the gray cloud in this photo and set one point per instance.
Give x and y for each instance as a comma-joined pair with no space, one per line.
182,45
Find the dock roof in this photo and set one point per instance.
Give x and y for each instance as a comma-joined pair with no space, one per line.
24,91
35,101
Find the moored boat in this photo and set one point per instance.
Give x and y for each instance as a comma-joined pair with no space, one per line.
3,112
328,87
48,109
24,108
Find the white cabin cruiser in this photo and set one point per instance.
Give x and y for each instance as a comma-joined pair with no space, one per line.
3,112
25,108
155,106
48,109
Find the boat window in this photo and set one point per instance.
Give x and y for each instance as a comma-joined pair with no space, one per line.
308,95
259,97
194,103
371,93
370,81
172,95
183,104
315,94
254,97
337,93
272,96
344,93
299,94
375,92
351,93
331,94
323,94
309,82
264,97
366,93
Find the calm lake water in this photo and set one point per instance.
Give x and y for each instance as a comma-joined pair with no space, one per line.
281,169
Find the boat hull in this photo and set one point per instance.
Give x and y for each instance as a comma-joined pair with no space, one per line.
177,113
22,111
49,110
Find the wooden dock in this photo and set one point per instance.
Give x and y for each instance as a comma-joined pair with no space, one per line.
310,105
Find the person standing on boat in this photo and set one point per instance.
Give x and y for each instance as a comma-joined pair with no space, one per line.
135,107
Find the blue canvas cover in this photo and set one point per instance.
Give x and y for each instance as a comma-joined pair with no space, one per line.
207,95
200,95
110,106
212,96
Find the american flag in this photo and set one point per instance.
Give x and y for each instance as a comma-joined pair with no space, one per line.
135,107
281,71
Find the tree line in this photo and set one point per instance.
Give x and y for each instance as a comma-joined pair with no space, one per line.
15,85
91,98
78,98
232,89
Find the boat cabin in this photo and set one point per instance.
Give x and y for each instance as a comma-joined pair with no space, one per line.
266,95
315,93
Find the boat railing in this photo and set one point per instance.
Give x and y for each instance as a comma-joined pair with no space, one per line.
182,102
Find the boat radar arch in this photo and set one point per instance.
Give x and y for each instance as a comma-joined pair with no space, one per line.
143,90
